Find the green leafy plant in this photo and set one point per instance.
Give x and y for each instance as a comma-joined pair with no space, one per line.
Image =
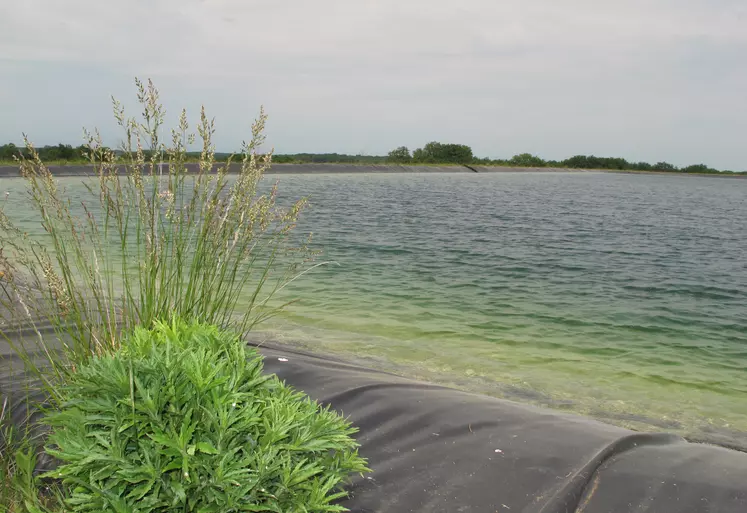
20,487
14,471
182,419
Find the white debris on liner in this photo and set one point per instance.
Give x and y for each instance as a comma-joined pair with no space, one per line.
281,359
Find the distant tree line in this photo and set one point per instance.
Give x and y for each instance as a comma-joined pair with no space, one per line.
60,152
594,162
325,158
439,153
431,153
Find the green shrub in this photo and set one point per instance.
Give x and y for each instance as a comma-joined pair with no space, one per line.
182,418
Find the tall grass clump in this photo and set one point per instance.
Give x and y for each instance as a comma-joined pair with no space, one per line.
150,240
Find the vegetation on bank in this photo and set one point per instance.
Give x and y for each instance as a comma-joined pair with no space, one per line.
459,154
157,274
199,428
433,153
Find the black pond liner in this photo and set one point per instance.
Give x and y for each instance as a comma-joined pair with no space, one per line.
434,449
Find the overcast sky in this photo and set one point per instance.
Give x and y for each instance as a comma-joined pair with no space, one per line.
642,79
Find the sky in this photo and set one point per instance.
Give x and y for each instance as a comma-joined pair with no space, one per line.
646,80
